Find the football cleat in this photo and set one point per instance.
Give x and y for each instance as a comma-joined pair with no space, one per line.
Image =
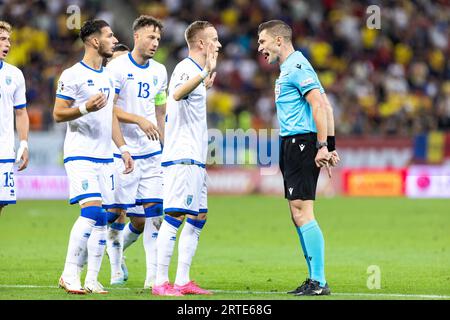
148,284
117,279
94,287
71,285
166,289
191,288
314,289
300,288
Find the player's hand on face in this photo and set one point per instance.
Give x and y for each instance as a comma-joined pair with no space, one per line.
128,162
24,158
334,159
149,129
322,157
211,57
96,102
209,81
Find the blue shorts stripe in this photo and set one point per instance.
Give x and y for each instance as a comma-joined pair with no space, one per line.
149,200
121,205
144,156
61,96
7,202
203,210
166,210
7,160
183,161
96,160
84,196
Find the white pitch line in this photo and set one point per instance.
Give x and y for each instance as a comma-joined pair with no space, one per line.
394,295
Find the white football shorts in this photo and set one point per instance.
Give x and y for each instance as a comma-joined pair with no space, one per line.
185,189
7,185
142,185
91,181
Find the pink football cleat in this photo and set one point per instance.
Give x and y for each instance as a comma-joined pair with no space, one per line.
166,289
191,288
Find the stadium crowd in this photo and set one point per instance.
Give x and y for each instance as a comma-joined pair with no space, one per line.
389,81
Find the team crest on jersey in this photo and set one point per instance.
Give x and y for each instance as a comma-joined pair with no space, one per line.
130,76
8,80
90,82
277,90
189,199
155,80
85,185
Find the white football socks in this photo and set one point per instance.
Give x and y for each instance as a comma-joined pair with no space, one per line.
165,243
187,247
114,247
151,229
77,248
96,248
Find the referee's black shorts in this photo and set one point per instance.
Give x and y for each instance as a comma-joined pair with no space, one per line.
300,173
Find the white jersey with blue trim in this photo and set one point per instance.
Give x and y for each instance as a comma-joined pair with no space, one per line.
186,130
12,96
136,86
89,136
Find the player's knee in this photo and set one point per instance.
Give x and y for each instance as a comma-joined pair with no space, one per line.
138,223
113,214
177,215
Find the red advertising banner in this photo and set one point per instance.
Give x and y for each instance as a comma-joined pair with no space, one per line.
374,182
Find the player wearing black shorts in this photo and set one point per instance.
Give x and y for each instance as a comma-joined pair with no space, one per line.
307,130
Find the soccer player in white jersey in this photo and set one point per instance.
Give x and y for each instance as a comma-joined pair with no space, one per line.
184,159
84,100
140,86
12,100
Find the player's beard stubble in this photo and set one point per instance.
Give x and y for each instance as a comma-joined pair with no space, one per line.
103,52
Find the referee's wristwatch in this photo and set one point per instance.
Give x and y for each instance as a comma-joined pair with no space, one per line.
319,144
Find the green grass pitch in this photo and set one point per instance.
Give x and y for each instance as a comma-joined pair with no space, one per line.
250,250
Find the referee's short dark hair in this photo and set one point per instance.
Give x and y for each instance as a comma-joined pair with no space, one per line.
276,28
90,27
147,21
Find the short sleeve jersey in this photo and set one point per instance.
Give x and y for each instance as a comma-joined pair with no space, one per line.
297,78
137,86
12,96
89,136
